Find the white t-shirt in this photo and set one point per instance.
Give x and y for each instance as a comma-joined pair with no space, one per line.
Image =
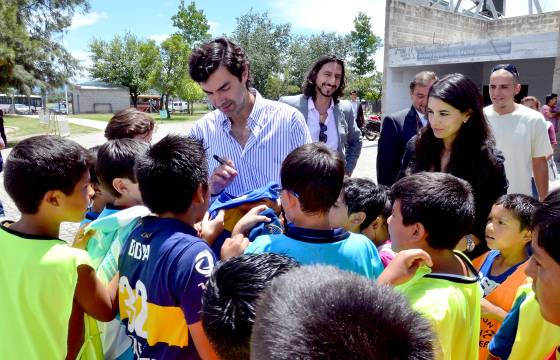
521,135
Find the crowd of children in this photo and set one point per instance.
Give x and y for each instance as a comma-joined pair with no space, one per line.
357,271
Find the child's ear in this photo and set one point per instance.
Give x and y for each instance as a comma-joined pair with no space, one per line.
375,224
357,218
289,200
200,194
52,197
120,185
527,236
419,232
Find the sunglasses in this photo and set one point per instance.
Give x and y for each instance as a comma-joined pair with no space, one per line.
322,136
510,68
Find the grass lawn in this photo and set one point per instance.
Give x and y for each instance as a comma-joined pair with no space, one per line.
199,111
175,117
20,127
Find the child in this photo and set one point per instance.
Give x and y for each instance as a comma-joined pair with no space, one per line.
321,313
534,338
369,208
101,197
163,265
130,124
432,212
312,177
501,270
230,298
46,285
115,170
544,265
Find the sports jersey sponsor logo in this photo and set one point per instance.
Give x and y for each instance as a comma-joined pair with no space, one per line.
138,250
204,263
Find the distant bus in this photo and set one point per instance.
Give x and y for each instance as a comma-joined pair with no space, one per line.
33,102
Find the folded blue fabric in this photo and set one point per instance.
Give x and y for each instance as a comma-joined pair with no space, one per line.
227,201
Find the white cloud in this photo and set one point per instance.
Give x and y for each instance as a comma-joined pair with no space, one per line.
213,27
84,60
330,15
520,8
159,38
81,20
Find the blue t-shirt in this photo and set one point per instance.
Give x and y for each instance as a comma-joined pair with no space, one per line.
339,248
163,268
489,282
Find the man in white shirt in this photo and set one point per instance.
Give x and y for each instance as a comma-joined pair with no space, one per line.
520,132
330,120
250,135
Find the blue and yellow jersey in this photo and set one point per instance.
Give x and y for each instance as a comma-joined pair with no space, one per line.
163,269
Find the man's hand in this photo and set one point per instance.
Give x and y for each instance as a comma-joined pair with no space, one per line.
222,176
233,246
491,311
249,220
404,266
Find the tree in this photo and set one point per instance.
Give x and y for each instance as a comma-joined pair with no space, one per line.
364,45
192,24
170,71
125,61
368,87
31,53
264,43
190,91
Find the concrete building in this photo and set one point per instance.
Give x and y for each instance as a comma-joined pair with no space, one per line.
99,97
428,38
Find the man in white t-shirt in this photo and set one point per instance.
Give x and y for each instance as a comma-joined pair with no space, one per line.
520,132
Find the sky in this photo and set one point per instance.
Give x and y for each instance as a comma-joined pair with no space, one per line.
152,19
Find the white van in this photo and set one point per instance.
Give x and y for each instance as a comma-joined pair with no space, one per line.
179,106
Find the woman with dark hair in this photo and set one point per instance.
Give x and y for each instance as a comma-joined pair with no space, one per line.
458,141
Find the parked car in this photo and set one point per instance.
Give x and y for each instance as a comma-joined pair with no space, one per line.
179,106
22,109
59,109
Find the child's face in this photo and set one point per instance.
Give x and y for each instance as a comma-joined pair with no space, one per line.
545,272
503,230
338,214
401,235
75,205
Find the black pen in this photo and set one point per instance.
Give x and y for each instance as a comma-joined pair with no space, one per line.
219,159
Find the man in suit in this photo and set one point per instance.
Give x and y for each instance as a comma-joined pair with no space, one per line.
330,120
399,127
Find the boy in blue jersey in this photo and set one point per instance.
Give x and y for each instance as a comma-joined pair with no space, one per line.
115,172
432,212
312,177
164,265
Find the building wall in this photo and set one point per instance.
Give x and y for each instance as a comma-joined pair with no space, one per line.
423,38
107,100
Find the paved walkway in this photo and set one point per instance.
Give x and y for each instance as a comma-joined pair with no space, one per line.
366,166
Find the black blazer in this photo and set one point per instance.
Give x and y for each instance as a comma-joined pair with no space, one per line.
396,130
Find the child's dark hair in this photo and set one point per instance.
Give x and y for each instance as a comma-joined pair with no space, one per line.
129,123
170,173
116,159
314,173
43,163
521,206
230,299
361,194
441,202
546,221
320,312
92,174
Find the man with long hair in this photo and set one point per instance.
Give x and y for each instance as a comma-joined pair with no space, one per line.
330,120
